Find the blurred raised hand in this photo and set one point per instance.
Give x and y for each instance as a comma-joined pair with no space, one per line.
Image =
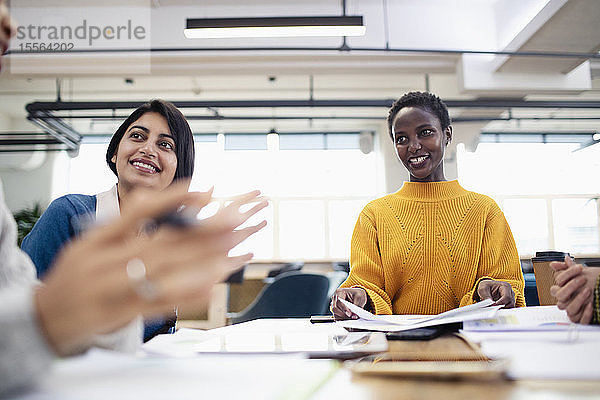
91,290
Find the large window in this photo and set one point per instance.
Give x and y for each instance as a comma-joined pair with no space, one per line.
576,225
528,219
87,173
316,183
547,191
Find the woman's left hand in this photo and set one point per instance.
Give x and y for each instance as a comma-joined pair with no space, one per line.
574,289
499,291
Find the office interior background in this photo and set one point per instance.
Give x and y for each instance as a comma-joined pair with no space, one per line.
304,119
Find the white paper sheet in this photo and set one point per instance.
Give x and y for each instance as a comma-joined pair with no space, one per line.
396,323
559,336
332,341
541,318
101,375
548,360
540,342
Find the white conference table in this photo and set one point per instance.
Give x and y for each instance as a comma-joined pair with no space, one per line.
108,375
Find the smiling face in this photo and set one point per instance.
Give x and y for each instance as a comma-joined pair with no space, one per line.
420,143
146,155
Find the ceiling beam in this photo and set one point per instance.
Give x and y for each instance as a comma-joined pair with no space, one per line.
38,106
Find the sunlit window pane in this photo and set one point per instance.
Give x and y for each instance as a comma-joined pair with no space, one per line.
343,141
541,172
206,137
261,243
528,220
576,225
207,163
245,142
88,172
323,173
235,172
301,229
520,138
528,168
342,218
311,141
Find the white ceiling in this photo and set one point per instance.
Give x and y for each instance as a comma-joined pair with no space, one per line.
244,74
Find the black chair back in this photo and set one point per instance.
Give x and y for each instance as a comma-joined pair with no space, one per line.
290,295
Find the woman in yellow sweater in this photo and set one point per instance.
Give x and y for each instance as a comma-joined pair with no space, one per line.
432,246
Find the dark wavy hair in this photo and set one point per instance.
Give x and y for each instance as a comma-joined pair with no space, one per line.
423,100
178,127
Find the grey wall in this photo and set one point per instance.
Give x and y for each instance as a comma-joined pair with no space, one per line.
26,177
29,182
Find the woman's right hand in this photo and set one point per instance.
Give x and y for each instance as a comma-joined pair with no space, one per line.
356,296
574,289
90,291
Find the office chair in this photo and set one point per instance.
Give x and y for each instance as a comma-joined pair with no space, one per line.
531,296
289,267
342,266
290,295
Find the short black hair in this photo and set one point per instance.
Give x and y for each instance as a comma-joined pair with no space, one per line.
423,100
178,127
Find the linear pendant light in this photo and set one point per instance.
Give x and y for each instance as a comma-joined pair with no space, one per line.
212,28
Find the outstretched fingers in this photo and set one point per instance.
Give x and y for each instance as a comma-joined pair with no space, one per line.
234,217
239,235
145,205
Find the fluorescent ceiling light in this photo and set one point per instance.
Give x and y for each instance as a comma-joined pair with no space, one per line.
274,27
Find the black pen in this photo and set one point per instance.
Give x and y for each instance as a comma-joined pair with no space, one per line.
318,319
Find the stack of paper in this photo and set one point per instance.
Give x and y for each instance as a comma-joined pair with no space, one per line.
540,342
544,323
396,323
523,319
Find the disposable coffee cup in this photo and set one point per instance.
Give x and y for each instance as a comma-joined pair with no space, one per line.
544,275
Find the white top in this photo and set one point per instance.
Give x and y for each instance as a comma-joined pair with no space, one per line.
129,338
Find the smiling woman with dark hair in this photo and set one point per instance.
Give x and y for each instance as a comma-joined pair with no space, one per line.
179,130
152,148
432,246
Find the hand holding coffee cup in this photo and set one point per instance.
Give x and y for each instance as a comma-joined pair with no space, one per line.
544,275
574,289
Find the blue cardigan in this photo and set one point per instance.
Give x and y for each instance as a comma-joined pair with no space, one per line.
57,225
63,219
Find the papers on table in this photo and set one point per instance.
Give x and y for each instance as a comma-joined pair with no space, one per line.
396,323
544,318
547,360
540,342
544,323
270,337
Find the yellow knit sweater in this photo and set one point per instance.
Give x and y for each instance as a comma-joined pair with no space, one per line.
424,249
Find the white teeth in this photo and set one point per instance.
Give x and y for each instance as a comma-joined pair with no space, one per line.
143,165
417,160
